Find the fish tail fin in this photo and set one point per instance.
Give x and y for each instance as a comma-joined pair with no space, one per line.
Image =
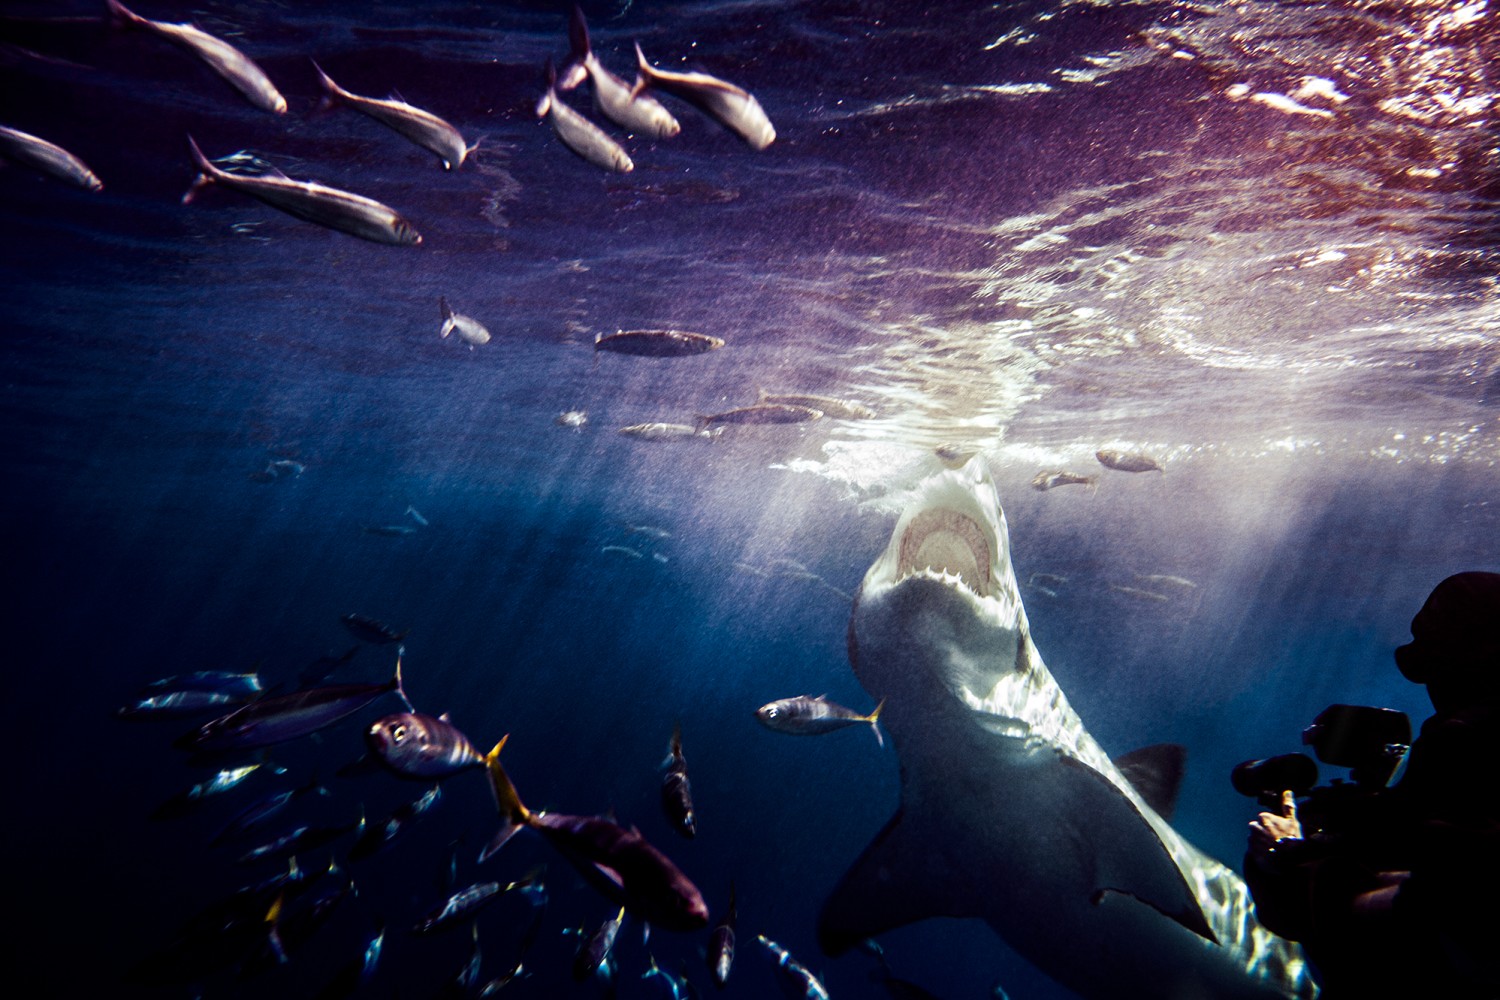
332,92
513,815
121,16
545,104
443,306
206,172
643,73
874,720
578,35
396,683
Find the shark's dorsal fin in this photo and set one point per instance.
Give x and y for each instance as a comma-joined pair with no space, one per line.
1156,773
902,877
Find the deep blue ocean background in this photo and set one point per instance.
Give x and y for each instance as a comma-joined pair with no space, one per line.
1028,229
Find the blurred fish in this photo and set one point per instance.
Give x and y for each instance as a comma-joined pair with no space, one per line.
469,330
1128,461
721,944
733,106
459,907
342,210
416,515
668,432
1139,593
371,629
421,127
676,790
39,154
299,840
794,978
468,976
319,670
376,838
223,58
189,799
1165,579
1044,481
763,413
620,863
622,550
260,812
414,745
805,715
359,971
286,467
649,531
220,681
290,927
275,720
578,133
1046,580
576,419
594,950
613,97
838,409
389,530
657,343
668,986
177,704
953,455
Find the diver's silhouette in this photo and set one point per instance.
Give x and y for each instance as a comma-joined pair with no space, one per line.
1400,896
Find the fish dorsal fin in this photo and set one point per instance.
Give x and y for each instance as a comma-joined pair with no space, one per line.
1156,773
902,877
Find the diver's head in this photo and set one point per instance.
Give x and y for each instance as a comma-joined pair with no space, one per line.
1455,647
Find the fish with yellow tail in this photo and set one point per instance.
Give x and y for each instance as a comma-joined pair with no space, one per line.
342,210
221,57
805,715
620,863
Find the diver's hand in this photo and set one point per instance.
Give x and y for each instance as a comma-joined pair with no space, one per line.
1270,828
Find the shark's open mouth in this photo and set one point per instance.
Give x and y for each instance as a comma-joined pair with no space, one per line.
947,541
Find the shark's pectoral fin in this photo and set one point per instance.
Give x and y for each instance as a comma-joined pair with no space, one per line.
901,878
1131,859
1156,772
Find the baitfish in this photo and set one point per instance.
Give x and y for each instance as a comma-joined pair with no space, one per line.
676,790
578,133
177,703
422,127
371,630
763,413
39,154
269,721
657,343
299,841
223,58
721,945
218,681
1139,593
668,432
620,863
838,409
1128,461
342,210
594,950
416,515
258,813
576,419
415,745
469,330
459,906
733,106
190,798
613,97
1044,481
794,977
390,530
375,838
805,715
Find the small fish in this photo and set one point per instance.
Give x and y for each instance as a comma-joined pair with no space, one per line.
668,432
275,720
468,976
733,106
808,716
620,863
416,515
290,930
285,467
1139,593
258,813
1128,461
371,630
299,841
650,531
318,670
763,413
469,330
721,944
676,790
223,58
657,343
796,981
1044,481
593,951
421,127
190,798
622,550
39,154
838,409
414,745
178,703
358,972
373,839
578,133
219,681
613,97
668,986
952,455
390,530
1046,580
459,907
575,419
1165,579
342,210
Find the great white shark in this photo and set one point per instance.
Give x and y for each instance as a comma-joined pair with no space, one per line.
1010,811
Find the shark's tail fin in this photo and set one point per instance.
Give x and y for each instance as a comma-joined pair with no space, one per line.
513,815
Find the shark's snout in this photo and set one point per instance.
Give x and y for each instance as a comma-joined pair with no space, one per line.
947,541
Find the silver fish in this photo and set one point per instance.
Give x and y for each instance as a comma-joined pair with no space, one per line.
421,127
578,133
740,112
23,147
575,419
342,210
1044,481
805,715
223,58
415,745
794,977
764,413
667,432
1128,461
613,97
657,343
469,330
838,409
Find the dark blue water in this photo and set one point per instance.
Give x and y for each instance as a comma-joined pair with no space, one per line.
1030,230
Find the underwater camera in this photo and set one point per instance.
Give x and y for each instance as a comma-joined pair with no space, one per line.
1371,742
